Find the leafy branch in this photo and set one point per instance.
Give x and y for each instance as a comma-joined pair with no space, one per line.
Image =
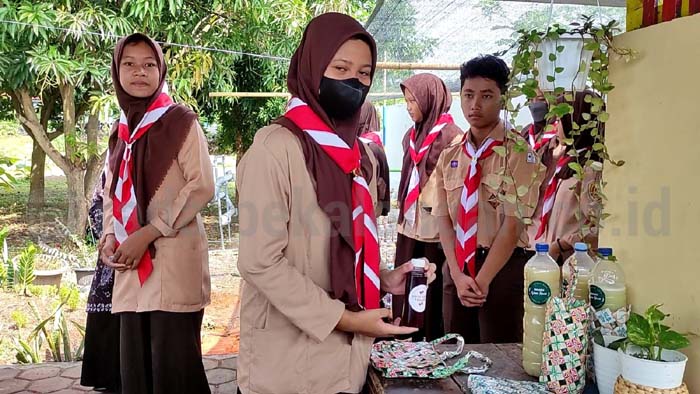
525,81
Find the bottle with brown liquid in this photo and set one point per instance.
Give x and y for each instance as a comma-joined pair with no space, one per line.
416,291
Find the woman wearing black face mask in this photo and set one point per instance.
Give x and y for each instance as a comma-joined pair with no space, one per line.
309,313
534,133
542,140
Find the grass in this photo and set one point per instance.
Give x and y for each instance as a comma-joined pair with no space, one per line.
26,225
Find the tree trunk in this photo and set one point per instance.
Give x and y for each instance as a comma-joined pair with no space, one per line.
36,178
77,203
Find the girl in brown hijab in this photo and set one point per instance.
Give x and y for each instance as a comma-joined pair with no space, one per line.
570,203
309,313
428,102
158,178
368,130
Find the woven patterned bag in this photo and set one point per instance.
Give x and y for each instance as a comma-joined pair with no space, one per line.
565,341
487,385
398,359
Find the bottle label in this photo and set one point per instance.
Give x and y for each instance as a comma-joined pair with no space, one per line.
416,299
539,292
597,297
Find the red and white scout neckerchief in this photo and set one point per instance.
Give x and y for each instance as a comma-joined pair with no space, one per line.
546,137
124,201
372,136
364,223
467,219
551,192
410,203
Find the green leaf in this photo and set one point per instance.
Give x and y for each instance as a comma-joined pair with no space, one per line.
592,46
493,183
522,190
508,180
603,117
560,48
500,150
562,109
552,57
617,344
672,340
576,167
559,70
550,78
639,331
538,54
582,66
654,315
511,198
597,166
598,146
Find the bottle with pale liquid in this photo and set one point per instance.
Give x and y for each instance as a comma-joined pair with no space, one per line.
542,281
607,283
584,266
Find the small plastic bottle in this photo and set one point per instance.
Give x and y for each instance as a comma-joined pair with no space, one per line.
416,291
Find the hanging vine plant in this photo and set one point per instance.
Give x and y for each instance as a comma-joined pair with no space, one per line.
533,49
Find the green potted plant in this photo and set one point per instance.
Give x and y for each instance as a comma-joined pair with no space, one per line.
651,357
21,269
48,270
81,258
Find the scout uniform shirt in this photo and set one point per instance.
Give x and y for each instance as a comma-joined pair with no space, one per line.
426,228
289,343
524,167
563,223
180,278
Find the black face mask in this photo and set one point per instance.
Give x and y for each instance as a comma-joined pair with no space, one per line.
342,99
538,110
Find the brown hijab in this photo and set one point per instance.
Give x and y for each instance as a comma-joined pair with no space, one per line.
322,38
433,100
160,146
369,122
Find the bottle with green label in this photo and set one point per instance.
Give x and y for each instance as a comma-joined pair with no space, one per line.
584,266
542,280
607,283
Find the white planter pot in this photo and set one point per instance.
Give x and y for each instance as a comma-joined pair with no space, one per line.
667,374
83,276
607,368
48,277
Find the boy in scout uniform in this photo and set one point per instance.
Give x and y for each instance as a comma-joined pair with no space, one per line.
487,185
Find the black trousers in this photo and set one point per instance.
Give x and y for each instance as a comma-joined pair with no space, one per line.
100,367
161,352
500,319
406,249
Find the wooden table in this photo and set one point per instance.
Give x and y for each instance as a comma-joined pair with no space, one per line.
506,364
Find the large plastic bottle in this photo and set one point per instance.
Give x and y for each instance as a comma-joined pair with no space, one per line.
584,266
542,281
607,283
